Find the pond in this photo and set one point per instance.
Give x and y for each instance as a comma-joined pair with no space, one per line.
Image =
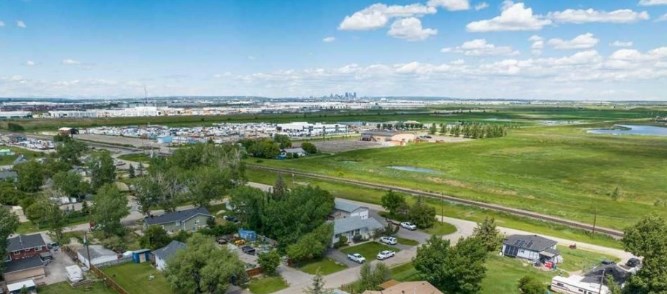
631,130
414,169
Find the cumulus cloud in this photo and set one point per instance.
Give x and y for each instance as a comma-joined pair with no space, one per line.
480,47
378,15
482,5
410,29
579,16
537,44
21,24
451,5
70,62
652,2
621,44
514,17
329,39
30,63
584,41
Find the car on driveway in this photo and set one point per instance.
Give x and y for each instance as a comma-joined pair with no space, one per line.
356,257
388,240
384,254
408,225
248,250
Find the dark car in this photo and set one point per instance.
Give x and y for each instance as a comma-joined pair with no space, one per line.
633,262
230,218
248,250
222,240
607,262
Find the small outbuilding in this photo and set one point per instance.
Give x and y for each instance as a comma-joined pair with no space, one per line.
163,254
141,256
74,273
98,255
531,247
16,288
247,235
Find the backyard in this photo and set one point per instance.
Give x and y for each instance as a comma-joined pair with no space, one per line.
139,278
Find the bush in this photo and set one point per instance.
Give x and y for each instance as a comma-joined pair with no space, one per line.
357,238
114,243
342,242
269,262
309,147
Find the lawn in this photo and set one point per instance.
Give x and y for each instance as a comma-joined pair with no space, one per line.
325,266
369,250
65,288
407,242
441,229
405,272
28,154
561,171
135,278
581,260
137,157
267,285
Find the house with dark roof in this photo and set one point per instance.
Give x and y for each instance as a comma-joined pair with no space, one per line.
24,269
25,246
189,220
8,175
345,209
163,254
351,226
99,256
531,247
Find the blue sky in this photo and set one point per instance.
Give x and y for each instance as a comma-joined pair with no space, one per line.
595,50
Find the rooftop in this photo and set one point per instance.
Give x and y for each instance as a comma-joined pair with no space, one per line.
530,242
421,287
171,217
95,251
166,252
23,264
21,242
345,205
348,224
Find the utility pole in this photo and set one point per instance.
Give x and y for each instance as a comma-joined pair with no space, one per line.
602,280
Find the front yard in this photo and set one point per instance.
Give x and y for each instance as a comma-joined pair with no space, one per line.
136,278
369,250
581,260
325,266
267,285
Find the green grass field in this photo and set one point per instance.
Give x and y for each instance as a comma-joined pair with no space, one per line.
267,285
369,250
561,171
325,266
408,242
134,278
65,288
441,229
581,260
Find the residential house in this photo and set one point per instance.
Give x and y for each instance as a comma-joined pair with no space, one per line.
354,225
345,209
531,247
8,175
421,287
19,159
163,254
294,151
24,269
185,220
25,246
99,256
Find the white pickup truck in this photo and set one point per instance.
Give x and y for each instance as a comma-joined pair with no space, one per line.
356,257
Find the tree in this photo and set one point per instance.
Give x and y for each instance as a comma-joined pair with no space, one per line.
311,245
370,277
421,214
154,237
433,129
248,204
130,172
140,169
102,169
393,202
280,189
269,262
207,184
9,195
613,287
283,141
648,238
70,184
487,233
204,268
458,269
318,286
70,150
109,207
30,176
310,148
9,222
530,285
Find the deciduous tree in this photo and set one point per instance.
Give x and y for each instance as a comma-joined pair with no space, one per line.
421,214
30,176
109,207
102,169
648,239
70,184
530,285
310,148
154,237
393,202
487,233
269,262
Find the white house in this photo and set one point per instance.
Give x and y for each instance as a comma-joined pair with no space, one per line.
531,247
575,285
163,254
345,209
98,255
354,225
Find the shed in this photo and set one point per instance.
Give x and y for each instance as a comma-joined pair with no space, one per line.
141,256
163,254
98,255
248,235
16,288
74,273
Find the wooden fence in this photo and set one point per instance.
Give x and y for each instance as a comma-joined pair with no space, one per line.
111,283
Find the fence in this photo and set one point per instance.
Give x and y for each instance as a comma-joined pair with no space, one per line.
254,272
108,280
121,260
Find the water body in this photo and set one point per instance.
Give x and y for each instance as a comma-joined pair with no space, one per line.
631,130
414,169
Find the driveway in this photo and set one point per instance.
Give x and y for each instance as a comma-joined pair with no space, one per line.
341,257
55,270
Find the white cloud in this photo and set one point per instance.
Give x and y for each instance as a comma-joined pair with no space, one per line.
662,18
652,2
410,29
21,24
30,63
482,5
479,47
378,15
2,23
329,39
451,5
70,62
579,16
584,41
537,45
514,17
621,44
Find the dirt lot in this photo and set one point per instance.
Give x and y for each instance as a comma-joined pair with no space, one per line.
347,144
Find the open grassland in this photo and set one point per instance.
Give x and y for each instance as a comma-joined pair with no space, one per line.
135,278
561,171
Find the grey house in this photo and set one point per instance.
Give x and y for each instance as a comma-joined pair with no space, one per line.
354,225
8,175
185,220
531,247
163,254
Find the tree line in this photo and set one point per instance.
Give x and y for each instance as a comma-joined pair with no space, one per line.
474,130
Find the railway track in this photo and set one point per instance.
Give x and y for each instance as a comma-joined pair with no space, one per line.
514,211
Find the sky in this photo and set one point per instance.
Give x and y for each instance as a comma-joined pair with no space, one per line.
583,50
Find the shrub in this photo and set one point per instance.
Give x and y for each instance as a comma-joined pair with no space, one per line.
342,242
269,262
357,238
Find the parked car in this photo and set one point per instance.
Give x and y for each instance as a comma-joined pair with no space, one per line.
388,240
356,257
408,225
230,218
222,240
633,262
248,250
384,254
